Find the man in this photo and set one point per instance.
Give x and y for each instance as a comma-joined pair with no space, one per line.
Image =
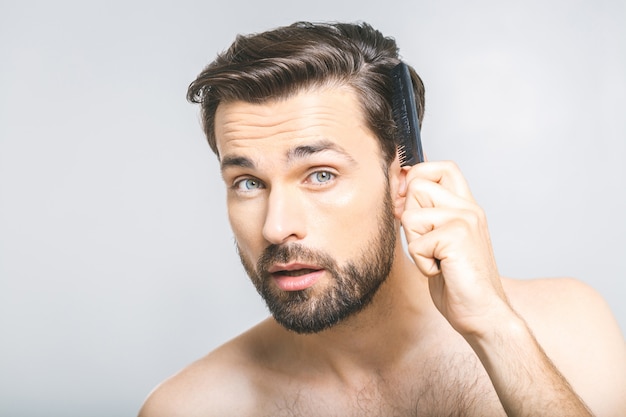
300,119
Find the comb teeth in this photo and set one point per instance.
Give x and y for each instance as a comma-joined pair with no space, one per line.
401,154
404,109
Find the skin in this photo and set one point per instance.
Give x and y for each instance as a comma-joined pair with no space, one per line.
447,339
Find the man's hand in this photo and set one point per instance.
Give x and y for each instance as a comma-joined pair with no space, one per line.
449,242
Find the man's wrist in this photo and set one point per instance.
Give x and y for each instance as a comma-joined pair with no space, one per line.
504,327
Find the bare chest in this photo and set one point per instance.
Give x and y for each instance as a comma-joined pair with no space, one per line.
457,387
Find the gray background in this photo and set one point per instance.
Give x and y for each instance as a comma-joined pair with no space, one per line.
117,266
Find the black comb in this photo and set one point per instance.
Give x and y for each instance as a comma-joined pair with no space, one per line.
408,141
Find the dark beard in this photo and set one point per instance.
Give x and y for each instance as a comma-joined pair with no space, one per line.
350,289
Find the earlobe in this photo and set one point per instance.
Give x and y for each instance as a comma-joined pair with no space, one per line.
398,185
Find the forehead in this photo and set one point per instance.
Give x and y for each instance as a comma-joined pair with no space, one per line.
330,113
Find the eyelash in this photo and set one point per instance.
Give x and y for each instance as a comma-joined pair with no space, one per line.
331,176
238,184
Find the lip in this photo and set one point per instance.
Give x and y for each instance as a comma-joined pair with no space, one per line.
295,282
291,267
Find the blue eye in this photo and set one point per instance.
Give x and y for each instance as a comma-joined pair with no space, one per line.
321,177
248,184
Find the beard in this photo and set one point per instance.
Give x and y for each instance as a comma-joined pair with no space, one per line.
351,288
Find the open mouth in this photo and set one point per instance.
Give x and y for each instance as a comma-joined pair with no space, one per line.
296,277
295,272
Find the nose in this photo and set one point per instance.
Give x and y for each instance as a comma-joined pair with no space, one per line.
285,219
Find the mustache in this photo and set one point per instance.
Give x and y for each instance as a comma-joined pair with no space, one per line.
283,254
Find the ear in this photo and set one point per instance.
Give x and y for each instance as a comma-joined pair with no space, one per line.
397,187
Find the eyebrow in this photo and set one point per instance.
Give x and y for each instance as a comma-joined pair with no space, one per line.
304,151
236,161
299,152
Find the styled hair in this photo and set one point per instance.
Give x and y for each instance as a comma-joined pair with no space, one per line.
279,63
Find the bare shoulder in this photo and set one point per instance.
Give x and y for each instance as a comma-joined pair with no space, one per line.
204,388
576,328
558,307
227,381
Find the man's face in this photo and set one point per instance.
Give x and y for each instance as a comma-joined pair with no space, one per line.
309,204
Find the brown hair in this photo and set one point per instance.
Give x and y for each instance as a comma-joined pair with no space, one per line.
281,62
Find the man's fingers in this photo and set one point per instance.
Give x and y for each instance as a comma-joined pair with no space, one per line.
444,173
426,253
422,193
435,234
419,222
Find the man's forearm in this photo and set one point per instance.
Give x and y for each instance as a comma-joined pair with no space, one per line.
525,379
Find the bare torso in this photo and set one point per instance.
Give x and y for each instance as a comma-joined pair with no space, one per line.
269,371
441,379
445,382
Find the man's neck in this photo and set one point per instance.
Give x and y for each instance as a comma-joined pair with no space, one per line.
397,321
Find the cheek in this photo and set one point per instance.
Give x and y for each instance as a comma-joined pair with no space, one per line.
246,224
350,218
